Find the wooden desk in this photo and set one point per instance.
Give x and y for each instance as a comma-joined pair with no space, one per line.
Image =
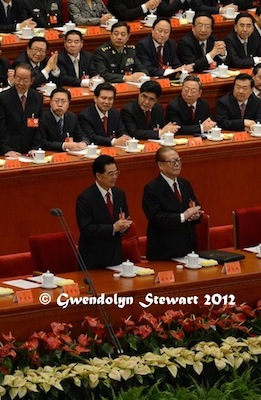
91,42
224,176
193,286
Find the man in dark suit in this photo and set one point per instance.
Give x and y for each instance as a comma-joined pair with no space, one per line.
102,217
257,80
190,111
4,71
21,111
201,47
158,52
171,208
46,13
240,109
243,44
13,16
100,122
115,60
128,10
45,68
60,128
74,62
144,117
219,7
258,20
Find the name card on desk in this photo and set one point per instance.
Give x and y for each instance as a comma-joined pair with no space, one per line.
109,151
174,22
8,39
76,91
164,83
217,17
205,78
71,290
246,71
122,87
23,296
195,141
60,158
230,268
134,26
241,136
165,277
150,147
51,35
10,164
93,30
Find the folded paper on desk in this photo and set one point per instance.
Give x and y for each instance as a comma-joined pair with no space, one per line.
221,256
137,270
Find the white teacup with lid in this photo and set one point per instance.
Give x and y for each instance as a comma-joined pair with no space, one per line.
132,145
149,19
69,26
168,138
27,32
127,268
222,71
92,150
38,156
188,15
183,75
94,82
48,279
49,87
256,129
215,133
230,12
192,260
110,22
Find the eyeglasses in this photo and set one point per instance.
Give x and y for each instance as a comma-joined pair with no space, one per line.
112,173
57,101
22,80
37,50
192,91
173,162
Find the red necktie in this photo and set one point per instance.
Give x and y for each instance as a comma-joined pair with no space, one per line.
242,109
192,112
23,101
109,204
105,124
160,57
148,118
177,192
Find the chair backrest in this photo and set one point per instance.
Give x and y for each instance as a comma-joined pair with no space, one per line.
16,264
130,245
247,226
65,11
221,237
202,232
52,251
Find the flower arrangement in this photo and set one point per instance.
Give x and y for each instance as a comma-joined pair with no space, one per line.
174,348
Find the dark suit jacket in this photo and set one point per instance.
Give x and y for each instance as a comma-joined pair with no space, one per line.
17,14
236,55
189,51
15,135
179,112
228,113
51,138
92,125
40,11
165,9
135,121
112,65
68,76
147,54
98,246
211,6
39,79
167,237
4,66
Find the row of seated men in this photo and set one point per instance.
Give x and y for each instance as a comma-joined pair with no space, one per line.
155,55
24,127
49,13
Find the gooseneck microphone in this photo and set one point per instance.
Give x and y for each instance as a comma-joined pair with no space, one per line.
57,212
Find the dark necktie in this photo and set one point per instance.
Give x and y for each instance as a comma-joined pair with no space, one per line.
36,70
8,13
160,57
203,48
242,109
177,192
192,112
23,101
245,48
60,125
105,124
148,118
109,204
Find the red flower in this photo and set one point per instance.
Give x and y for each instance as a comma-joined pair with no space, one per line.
143,330
53,342
148,317
84,340
58,327
9,337
95,325
32,344
179,335
171,315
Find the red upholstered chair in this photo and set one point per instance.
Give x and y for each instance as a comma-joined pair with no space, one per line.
65,11
247,226
53,252
16,264
130,245
221,237
202,232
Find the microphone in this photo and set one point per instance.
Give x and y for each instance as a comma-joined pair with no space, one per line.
57,212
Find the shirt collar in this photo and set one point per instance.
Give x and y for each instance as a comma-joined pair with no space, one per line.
101,115
103,191
169,181
56,116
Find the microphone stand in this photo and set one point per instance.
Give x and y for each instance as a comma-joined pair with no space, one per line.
57,212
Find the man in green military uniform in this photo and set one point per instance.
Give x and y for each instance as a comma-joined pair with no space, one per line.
115,60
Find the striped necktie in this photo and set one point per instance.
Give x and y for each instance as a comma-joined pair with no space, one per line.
60,125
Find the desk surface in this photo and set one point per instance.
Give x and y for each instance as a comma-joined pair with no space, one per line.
194,287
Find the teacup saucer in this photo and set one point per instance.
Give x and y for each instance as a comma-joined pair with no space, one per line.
258,255
223,77
197,267
93,157
49,287
167,144
132,151
40,162
255,134
128,275
215,139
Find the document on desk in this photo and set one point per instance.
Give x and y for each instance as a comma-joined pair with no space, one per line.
253,249
22,284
